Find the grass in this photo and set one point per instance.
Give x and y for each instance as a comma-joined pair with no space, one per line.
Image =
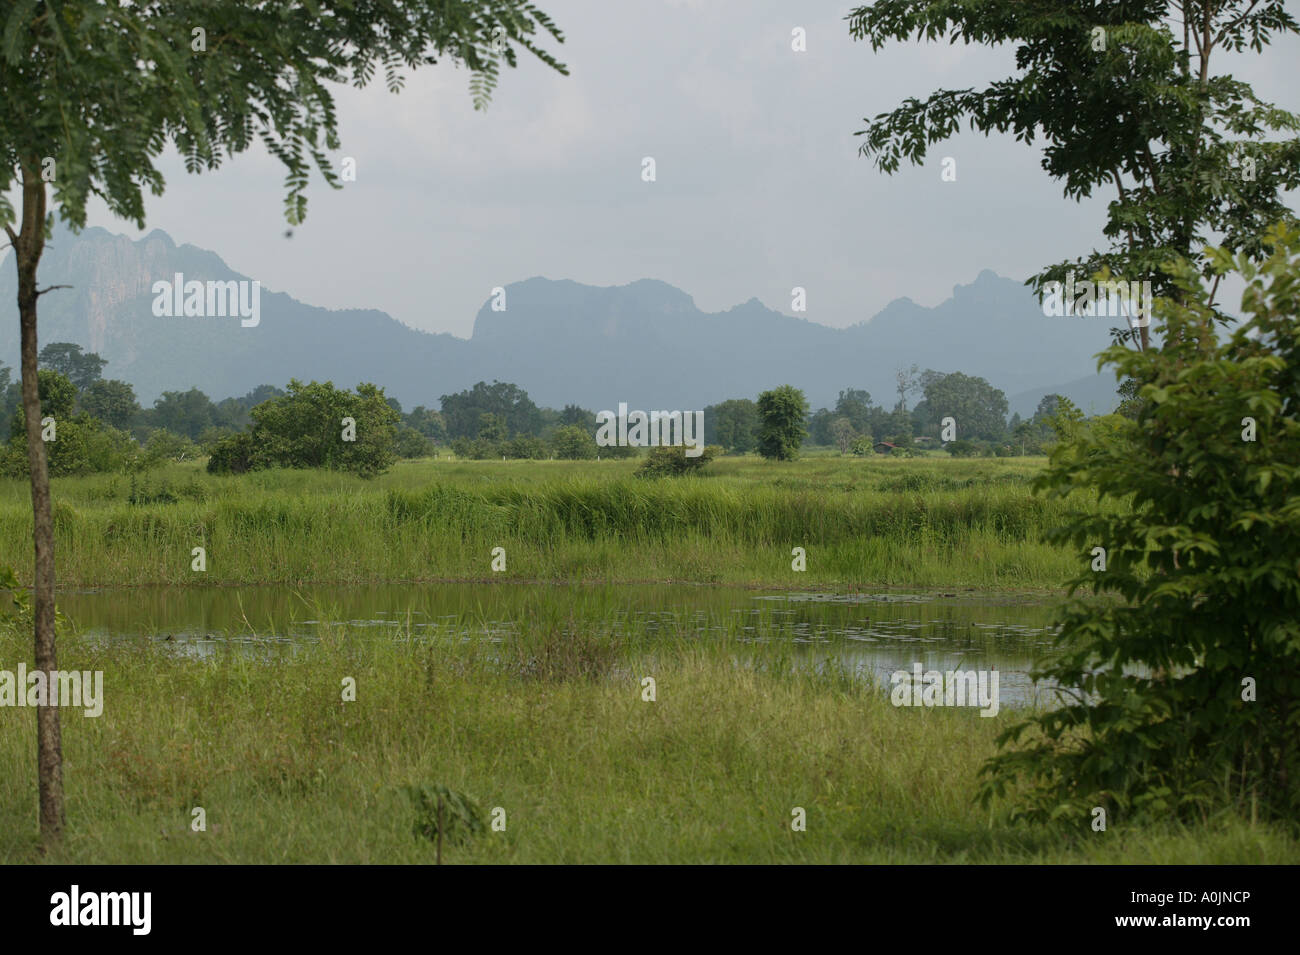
552,729
924,522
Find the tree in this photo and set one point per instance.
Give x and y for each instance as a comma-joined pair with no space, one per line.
979,409
112,402
525,447
58,400
573,442
908,382
1160,710
319,426
462,411
855,404
1130,404
1048,405
733,424
1027,435
781,414
80,445
1187,153
233,413
492,427
428,423
843,434
95,91
412,444
819,426
187,413
573,414
83,370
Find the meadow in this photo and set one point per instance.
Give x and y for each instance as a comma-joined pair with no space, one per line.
554,731
924,522
548,724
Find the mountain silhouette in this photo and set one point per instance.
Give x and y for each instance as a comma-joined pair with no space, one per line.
644,343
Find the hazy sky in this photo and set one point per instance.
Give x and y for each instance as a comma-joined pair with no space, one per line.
759,185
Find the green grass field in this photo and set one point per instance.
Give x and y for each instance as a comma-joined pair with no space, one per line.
551,727
555,732
926,522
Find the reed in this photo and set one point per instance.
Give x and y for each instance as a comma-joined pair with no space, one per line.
921,522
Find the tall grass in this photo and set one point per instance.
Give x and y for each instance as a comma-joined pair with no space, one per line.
925,522
554,730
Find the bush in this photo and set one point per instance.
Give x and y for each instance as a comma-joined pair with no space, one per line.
305,428
575,443
864,445
673,460
961,448
234,454
81,445
163,445
412,444
1162,716
525,447
476,449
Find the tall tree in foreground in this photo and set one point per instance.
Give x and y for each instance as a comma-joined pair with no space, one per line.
1182,693
93,92
1121,93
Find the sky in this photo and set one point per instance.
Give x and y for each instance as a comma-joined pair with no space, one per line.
759,185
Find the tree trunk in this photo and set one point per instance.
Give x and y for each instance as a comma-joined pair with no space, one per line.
28,246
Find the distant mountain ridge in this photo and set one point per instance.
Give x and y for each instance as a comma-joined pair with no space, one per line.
644,343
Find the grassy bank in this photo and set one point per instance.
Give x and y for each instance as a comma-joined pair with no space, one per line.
554,731
921,522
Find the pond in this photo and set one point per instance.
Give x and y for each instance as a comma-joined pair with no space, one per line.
873,634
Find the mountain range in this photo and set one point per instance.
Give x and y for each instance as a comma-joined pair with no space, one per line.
645,343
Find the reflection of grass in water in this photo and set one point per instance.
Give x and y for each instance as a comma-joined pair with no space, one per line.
584,769
924,522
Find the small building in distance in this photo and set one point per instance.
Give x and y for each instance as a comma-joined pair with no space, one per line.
883,447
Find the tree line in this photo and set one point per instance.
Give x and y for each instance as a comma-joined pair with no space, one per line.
99,425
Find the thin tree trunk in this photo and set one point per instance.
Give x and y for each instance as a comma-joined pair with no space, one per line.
28,246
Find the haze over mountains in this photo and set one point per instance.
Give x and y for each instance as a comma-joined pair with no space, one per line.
644,343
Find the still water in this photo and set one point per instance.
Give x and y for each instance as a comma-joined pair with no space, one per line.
874,634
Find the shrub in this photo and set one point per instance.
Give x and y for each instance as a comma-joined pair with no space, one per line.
574,443
304,428
525,447
234,454
163,445
412,444
673,460
1161,715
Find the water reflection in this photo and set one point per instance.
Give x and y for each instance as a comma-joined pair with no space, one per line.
871,634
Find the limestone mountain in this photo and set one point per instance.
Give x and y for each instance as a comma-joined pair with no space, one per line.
645,343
